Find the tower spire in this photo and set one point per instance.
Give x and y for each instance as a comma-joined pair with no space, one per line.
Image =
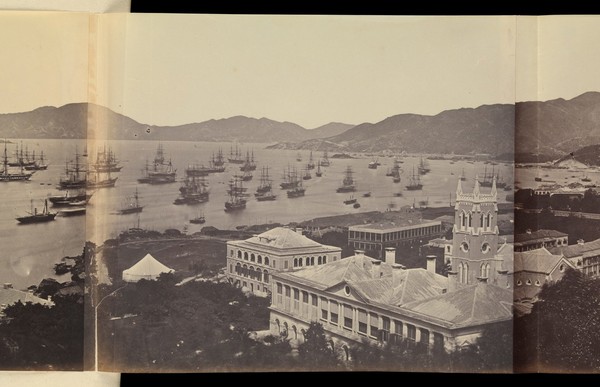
494,190
459,190
476,188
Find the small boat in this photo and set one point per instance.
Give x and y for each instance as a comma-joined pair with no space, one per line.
367,195
133,206
73,211
350,201
198,220
537,178
398,194
307,175
37,217
267,196
373,164
356,205
299,157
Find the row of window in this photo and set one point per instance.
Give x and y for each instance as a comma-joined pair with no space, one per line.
396,235
249,257
250,272
528,282
310,307
252,287
310,261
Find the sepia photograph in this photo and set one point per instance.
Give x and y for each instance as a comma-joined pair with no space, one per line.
247,193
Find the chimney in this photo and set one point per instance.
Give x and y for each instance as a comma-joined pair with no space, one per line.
390,255
503,279
299,230
376,269
8,285
431,263
580,242
398,266
359,252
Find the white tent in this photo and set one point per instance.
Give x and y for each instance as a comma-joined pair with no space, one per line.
147,268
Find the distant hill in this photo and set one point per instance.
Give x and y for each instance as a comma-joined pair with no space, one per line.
588,155
70,121
486,129
557,127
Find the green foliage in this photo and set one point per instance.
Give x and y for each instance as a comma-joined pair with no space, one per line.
561,333
316,352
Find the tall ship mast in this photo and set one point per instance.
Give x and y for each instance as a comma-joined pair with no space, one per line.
6,176
311,163
96,179
249,164
132,206
396,170
488,178
414,183
219,160
106,161
348,182
194,190
237,195
423,166
297,189
289,178
39,164
264,190
319,173
75,176
161,172
325,160
235,156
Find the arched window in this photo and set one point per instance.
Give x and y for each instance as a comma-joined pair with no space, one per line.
265,276
463,220
319,260
295,331
246,255
239,254
300,262
251,273
489,220
252,258
278,325
307,261
238,268
460,273
259,259
303,332
346,352
284,333
245,271
487,270
470,220
481,221
324,259
267,261
295,262
482,270
466,273
231,253
230,268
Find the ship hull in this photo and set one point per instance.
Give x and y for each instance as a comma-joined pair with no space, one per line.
36,218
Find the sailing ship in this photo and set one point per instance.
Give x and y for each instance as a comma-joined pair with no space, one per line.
37,217
219,160
348,182
38,165
73,211
488,179
297,189
249,164
414,182
71,198
96,179
319,173
194,190
307,175
162,171
325,160
237,195
132,206
351,200
21,159
395,173
235,157
6,176
423,166
311,163
75,176
290,178
247,176
264,190
198,220
196,170
462,175
106,161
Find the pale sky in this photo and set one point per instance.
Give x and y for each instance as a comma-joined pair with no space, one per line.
176,69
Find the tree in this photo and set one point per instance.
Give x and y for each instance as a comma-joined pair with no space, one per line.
316,353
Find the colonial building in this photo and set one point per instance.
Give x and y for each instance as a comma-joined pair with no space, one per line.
10,296
362,298
251,262
408,230
532,269
532,240
585,256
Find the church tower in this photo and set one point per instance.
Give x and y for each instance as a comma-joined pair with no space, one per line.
475,235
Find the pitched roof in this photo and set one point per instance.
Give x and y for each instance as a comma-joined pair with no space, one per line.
398,224
147,267
536,261
506,253
470,305
539,234
12,296
576,250
283,238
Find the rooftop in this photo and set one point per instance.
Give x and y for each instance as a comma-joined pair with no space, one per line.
283,238
411,291
576,250
539,235
12,296
536,261
396,225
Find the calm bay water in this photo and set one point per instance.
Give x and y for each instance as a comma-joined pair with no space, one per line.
29,251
